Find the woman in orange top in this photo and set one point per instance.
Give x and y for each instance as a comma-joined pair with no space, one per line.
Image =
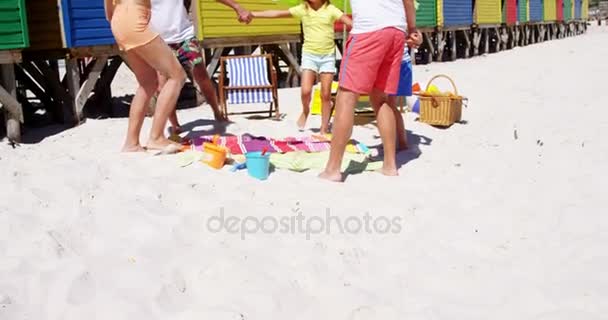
146,54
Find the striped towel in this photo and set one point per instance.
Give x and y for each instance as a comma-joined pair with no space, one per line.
248,72
250,143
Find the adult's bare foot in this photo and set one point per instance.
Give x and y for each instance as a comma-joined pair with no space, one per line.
161,144
333,177
391,172
132,148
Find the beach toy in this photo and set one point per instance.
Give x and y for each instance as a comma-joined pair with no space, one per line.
416,107
258,164
433,89
416,87
216,153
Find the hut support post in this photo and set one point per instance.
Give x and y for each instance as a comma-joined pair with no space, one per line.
440,45
431,47
13,112
486,37
476,41
453,46
79,94
467,44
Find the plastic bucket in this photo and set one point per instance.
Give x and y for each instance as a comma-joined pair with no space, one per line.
216,155
258,165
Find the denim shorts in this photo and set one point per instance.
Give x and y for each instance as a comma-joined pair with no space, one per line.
319,63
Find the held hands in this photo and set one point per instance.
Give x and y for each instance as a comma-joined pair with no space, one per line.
414,39
244,16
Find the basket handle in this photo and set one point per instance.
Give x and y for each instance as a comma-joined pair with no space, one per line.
428,86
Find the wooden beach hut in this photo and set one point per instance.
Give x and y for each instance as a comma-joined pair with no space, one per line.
523,11
585,10
536,10
74,30
219,31
509,12
550,10
487,12
13,38
454,20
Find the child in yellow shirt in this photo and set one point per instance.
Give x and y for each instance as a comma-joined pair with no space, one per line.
318,52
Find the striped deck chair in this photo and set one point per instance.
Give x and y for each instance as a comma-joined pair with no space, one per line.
251,79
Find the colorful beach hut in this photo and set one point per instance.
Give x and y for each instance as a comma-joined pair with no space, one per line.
523,11
216,22
13,38
559,5
578,6
74,30
568,10
487,12
509,12
585,10
13,25
536,10
550,10
456,13
67,24
426,14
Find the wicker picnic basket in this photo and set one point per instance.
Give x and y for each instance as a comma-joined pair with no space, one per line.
439,109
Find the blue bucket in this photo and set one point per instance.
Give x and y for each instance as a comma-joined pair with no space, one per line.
258,165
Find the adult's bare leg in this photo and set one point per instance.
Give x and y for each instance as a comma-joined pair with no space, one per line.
387,127
147,85
204,83
160,57
342,131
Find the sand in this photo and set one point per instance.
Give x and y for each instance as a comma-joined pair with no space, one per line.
484,223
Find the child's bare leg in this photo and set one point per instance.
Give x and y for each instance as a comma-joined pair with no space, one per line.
342,131
387,127
326,82
400,125
308,80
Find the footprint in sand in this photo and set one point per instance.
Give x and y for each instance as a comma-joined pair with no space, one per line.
173,296
373,313
82,289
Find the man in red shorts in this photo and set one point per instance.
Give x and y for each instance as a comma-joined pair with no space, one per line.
371,65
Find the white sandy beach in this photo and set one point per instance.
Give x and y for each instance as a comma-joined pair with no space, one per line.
492,227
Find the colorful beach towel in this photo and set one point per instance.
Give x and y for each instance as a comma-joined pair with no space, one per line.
250,143
303,161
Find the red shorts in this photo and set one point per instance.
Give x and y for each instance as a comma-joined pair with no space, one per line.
373,61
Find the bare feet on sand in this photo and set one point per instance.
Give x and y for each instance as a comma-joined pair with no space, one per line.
163,144
220,116
302,121
134,148
334,177
391,172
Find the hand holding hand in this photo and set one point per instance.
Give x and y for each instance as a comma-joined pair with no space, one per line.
414,39
245,16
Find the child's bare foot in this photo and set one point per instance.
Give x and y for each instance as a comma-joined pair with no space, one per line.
331,176
302,121
133,148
